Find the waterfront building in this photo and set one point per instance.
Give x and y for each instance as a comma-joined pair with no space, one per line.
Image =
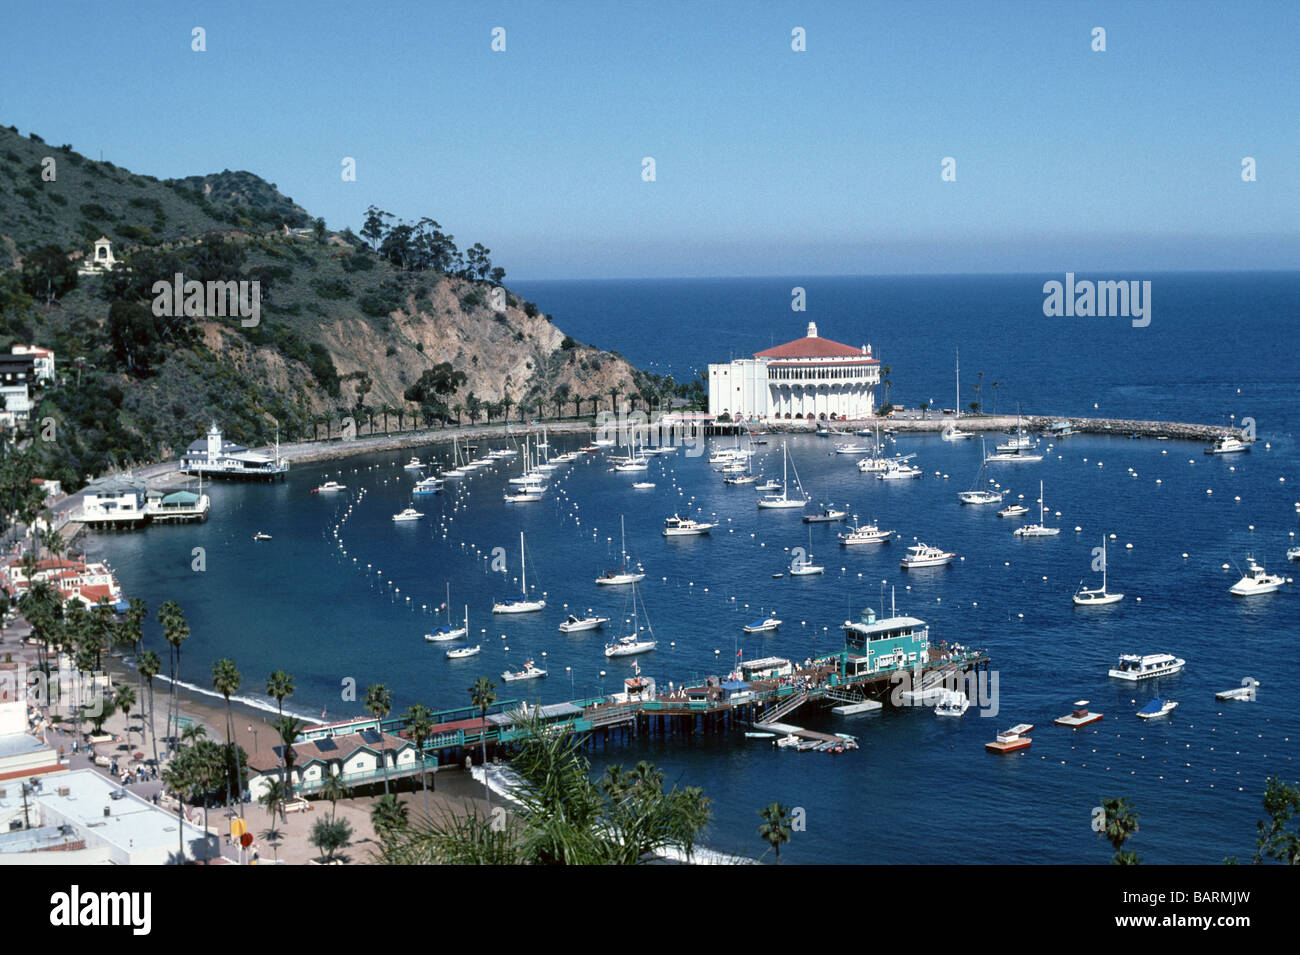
356,759
810,378
215,457
118,500
872,646
74,579
176,506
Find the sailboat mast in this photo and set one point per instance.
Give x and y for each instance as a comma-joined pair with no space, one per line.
523,567
958,405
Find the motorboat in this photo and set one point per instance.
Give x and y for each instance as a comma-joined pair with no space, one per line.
1019,443
1293,553
676,526
407,514
769,485
429,485
415,464
459,653
643,485
741,479
764,625
952,703
1256,581
529,672
1097,598
526,495
851,447
788,741
923,555
1040,529
1228,444
953,433
525,605
1011,740
1013,510
865,534
261,536
897,469
329,487
1245,692
1155,708
828,515
783,500
622,575
1079,716
1136,668
574,623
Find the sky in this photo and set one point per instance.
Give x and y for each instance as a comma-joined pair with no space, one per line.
767,161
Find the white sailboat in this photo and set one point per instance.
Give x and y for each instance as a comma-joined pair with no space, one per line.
448,632
783,500
1097,598
1040,529
622,575
525,605
633,644
804,567
456,470
1017,451
979,494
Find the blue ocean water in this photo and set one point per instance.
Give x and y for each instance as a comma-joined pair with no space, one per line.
921,789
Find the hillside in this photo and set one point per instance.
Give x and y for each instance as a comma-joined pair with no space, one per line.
400,323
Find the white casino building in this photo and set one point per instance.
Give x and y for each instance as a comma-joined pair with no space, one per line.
810,377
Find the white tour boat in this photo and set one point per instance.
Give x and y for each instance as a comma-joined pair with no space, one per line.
525,605
1133,667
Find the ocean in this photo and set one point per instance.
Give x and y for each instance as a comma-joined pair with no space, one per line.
351,610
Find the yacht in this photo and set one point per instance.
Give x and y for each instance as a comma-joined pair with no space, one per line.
828,515
953,433
622,575
574,623
978,494
923,555
1255,581
865,534
429,485
1228,444
952,703
1040,529
783,500
525,495
408,514
415,464
897,469
1021,442
768,486
261,536
1134,668
1013,510
524,605
329,487
643,485
765,625
529,672
851,447
1156,707
685,527
460,653
1097,598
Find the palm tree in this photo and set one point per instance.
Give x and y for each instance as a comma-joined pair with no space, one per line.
124,700
273,798
288,727
389,817
1121,822
483,694
225,680
419,723
995,397
776,826
506,403
279,686
148,666
379,703
332,788
176,631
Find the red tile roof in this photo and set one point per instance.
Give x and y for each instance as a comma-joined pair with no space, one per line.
811,347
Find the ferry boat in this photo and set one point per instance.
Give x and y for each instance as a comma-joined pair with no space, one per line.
407,514
529,672
1133,667
415,464
524,605
766,625
1040,529
460,653
923,555
1079,716
1155,708
329,487
828,515
1256,581
1228,444
952,703
865,534
1011,740
574,623
260,536
1013,510
676,526
1097,598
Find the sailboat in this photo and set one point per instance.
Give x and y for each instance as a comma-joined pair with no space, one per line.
525,605
952,432
1097,598
783,500
1016,451
1040,529
456,470
448,632
805,567
622,575
978,494
632,644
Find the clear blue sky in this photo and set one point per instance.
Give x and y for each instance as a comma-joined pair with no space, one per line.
768,161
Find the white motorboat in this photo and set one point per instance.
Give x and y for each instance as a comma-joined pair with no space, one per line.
923,555
952,703
1097,598
448,632
851,448
769,485
1293,553
415,464
261,536
783,500
525,495
1040,529
1245,692
1155,708
829,515
1021,442
765,625
329,487
525,605
574,623
1013,510
1135,668
873,465
741,479
1256,581
897,469
622,575
429,485
529,672
676,526
636,464
459,653
407,514
865,534
1016,451
953,433
1228,444
643,485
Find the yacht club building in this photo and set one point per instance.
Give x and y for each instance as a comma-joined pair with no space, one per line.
809,378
